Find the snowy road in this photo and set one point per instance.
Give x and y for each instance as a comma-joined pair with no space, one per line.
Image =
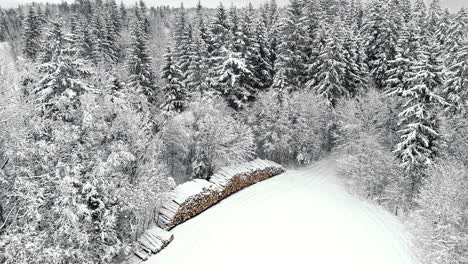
301,216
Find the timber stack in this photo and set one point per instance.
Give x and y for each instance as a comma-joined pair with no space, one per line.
232,179
194,197
187,200
151,242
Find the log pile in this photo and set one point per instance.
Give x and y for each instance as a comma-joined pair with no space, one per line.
232,179
187,200
151,242
194,197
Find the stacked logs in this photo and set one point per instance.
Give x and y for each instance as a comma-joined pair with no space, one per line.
231,180
151,242
188,200
194,197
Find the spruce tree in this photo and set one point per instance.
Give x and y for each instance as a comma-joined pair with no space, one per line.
380,31
31,35
261,56
409,42
314,13
123,15
110,47
258,76
358,15
420,16
183,38
141,15
441,35
41,18
84,41
98,36
114,15
54,42
292,52
233,82
458,31
218,46
456,84
406,10
434,18
418,120
175,92
197,72
331,70
356,74
142,77
59,90
273,25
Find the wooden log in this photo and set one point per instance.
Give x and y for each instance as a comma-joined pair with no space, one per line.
133,259
142,254
150,244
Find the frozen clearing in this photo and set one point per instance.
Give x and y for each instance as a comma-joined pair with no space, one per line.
301,216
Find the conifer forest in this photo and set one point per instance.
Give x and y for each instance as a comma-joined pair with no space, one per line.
106,107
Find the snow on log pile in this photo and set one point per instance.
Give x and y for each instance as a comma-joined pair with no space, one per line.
234,178
188,200
192,198
151,242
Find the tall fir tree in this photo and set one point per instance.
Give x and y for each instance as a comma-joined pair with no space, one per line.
233,81
409,43
111,49
456,84
123,15
175,92
84,42
380,31
142,77
420,16
331,70
418,120
141,14
183,38
356,75
261,54
290,65
434,18
457,32
59,90
218,46
31,35
197,72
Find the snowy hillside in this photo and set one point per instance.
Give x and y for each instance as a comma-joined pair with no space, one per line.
301,216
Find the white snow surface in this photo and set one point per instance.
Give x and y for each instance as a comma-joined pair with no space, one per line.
300,216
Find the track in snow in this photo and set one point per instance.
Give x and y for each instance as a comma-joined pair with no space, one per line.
301,216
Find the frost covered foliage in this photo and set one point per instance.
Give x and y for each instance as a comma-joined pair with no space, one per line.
294,131
440,220
80,184
366,138
455,138
203,138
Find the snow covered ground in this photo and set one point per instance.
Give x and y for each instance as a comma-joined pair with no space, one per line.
301,216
